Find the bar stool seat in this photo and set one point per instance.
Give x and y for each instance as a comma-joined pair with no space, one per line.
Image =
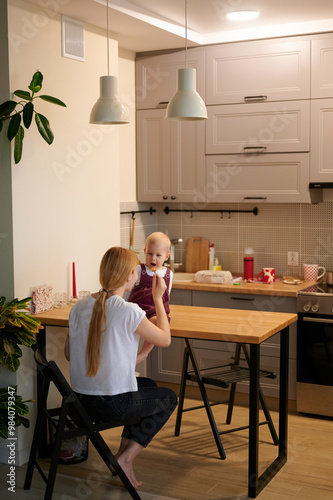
223,376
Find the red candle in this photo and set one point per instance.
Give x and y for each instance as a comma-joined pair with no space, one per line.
74,281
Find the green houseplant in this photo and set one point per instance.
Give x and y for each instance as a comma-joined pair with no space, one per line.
23,111
12,409
16,328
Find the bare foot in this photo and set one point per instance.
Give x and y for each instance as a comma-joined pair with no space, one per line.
128,469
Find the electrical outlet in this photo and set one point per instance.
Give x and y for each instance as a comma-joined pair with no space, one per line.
292,258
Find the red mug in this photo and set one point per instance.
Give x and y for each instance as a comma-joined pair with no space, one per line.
267,275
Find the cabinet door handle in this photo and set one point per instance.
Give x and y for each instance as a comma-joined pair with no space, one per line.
255,198
163,104
173,197
248,299
165,197
255,149
255,98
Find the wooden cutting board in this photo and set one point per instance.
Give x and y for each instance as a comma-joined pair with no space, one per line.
197,249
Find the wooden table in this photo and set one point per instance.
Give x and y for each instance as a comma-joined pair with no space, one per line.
228,325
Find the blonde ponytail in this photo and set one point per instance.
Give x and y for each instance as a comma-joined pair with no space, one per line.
116,265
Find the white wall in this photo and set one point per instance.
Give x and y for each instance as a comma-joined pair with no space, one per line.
65,196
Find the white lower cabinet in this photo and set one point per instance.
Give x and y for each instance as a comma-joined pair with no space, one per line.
274,178
321,166
166,364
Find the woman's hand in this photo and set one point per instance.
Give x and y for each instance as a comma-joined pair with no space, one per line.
159,287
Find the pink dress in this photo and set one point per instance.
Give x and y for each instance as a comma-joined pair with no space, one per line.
142,293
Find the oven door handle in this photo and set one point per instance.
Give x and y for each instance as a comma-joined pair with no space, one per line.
317,320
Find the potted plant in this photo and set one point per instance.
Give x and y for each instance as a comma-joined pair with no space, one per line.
12,409
25,109
16,328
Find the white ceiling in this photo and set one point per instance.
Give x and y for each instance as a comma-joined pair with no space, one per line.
144,25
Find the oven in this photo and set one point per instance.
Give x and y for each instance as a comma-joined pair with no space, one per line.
315,350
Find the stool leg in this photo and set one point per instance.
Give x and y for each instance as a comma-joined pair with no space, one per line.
182,393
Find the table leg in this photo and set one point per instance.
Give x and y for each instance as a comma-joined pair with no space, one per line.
256,484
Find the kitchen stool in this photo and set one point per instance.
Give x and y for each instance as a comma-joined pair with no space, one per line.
220,376
71,410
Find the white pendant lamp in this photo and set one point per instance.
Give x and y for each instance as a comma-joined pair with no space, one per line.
108,109
186,104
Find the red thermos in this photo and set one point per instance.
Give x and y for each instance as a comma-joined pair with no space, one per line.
248,267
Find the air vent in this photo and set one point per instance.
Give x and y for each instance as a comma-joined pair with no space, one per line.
72,38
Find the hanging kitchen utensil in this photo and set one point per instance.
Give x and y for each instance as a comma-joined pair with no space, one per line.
136,250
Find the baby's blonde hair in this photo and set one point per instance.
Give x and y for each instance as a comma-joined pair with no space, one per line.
158,237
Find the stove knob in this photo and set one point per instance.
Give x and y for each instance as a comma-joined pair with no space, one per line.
315,308
306,308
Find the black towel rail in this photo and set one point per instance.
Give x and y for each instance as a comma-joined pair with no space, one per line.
133,212
254,211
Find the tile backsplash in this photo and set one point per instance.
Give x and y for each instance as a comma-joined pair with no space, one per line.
276,230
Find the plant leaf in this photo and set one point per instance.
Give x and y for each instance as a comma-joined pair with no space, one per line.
54,100
44,128
27,114
24,94
14,125
36,82
7,107
18,144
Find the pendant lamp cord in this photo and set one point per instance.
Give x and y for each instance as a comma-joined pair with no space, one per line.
107,35
185,33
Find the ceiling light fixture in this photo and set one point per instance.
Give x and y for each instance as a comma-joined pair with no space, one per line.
186,104
242,15
108,109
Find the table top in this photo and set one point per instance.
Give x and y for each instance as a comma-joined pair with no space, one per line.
206,323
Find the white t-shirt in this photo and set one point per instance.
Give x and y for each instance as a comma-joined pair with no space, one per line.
119,347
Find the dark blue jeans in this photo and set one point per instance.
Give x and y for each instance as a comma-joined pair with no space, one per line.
151,405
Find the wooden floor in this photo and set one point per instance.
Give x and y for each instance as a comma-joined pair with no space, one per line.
188,467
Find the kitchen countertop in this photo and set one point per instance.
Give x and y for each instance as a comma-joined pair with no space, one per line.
278,288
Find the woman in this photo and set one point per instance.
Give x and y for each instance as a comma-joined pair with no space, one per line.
104,333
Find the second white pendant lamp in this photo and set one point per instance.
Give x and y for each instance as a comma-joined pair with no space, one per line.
108,109
186,104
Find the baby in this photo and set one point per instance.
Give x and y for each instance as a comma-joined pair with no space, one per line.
157,251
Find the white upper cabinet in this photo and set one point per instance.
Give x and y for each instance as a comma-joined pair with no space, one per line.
321,169
270,70
322,68
277,127
170,158
156,77
273,178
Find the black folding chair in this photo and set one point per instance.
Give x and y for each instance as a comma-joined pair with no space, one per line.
70,410
220,376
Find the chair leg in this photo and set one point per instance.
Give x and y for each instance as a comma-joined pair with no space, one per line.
41,419
233,387
268,416
56,451
112,463
182,393
205,400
